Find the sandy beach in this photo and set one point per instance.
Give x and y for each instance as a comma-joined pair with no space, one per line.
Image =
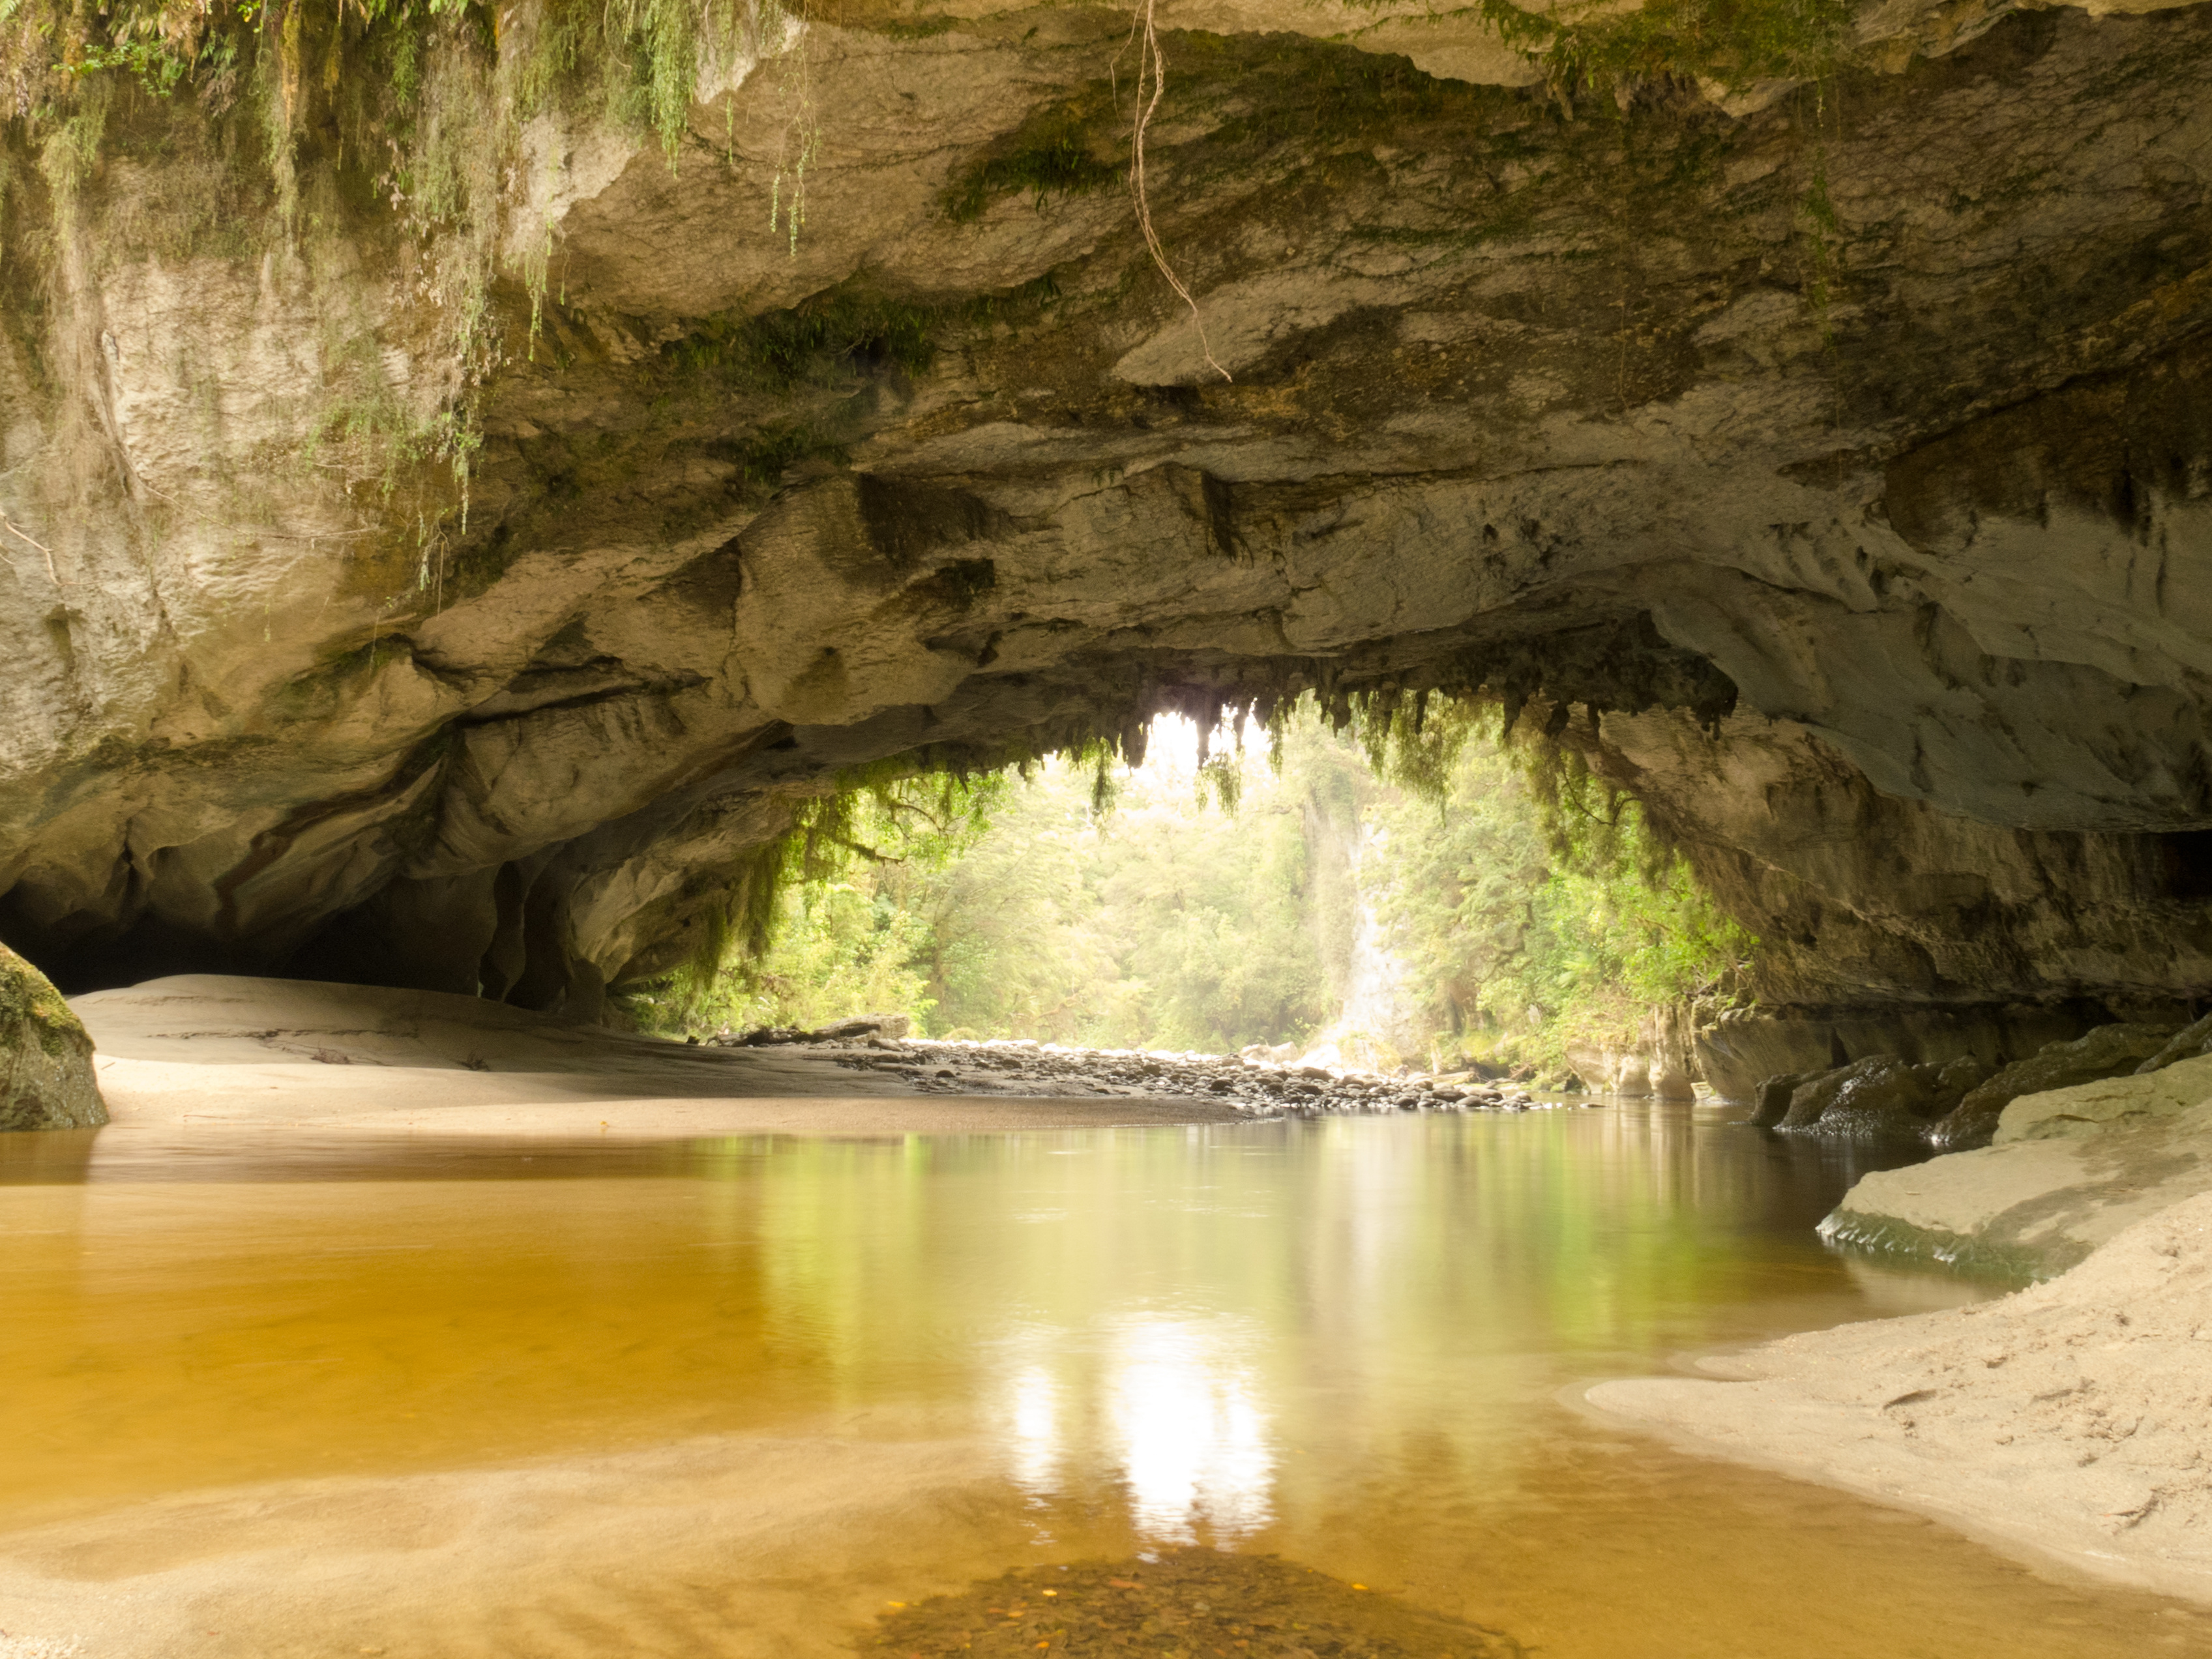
210,1051
2070,1422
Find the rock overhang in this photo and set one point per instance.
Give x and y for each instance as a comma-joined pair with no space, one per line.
1562,408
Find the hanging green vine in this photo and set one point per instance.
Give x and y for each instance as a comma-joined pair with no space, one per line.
321,112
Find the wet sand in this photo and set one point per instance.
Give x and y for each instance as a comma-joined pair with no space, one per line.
754,1544
2071,1422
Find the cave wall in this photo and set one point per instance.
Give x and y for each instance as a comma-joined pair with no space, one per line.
1844,453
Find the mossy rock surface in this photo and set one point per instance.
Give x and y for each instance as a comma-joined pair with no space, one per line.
45,1054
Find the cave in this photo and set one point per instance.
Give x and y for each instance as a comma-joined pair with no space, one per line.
1831,465
477,480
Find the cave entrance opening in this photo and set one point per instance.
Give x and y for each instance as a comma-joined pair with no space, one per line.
1298,891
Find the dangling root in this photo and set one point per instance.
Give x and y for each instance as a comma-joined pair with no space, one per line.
54,574
1151,86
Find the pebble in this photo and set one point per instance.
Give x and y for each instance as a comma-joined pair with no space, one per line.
1258,1088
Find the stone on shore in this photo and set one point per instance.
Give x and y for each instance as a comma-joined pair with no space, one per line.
2069,1169
862,1025
1774,1096
2188,1042
2108,1051
1875,1098
45,1055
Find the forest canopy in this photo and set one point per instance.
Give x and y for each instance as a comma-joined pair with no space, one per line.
1458,902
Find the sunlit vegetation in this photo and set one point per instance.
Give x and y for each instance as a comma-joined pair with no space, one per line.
1154,918
1528,906
1534,912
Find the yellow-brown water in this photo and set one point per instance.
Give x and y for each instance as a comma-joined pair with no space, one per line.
738,1397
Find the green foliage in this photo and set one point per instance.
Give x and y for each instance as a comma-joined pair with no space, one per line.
841,946
811,343
794,928
155,68
1066,149
1538,908
1009,905
1530,904
1165,924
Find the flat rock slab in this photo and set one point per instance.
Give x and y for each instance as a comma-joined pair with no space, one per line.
2069,1169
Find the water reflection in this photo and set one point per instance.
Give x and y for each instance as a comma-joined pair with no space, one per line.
1033,1423
1339,1340
1167,1410
1152,1311
1190,1435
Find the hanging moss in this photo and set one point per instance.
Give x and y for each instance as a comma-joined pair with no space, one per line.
323,116
770,450
1072,147
834,332
853,330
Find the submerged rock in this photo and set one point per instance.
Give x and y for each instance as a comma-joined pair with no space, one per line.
45,1055
2108,1051
1185,1601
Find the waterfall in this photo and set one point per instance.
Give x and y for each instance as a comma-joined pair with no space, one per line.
1373,1026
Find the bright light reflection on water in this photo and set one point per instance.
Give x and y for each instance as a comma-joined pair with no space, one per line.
1189,1434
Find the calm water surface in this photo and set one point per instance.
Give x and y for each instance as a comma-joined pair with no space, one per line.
733,1397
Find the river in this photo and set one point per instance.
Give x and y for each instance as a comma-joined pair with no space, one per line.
438,1398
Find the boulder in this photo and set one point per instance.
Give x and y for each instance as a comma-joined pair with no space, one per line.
1877,1099
2108,1051
1774,1095
1744,1046
1657,1061
2190,1041
861,1025
1869,1097
45,1055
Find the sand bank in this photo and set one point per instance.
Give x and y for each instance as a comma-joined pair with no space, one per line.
2071,1422
211,1050
756,1544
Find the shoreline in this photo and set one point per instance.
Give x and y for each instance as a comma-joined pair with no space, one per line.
638,1118
209,1049
1981,1509
2067,1423
210,1052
